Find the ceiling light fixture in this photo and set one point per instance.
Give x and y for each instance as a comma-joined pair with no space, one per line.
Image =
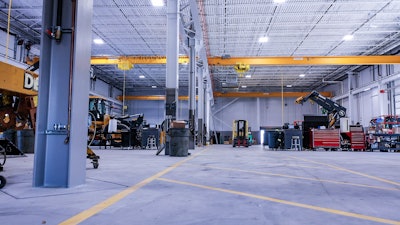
302,75
244,86
157,3
153,86
279,1
248,76
348,37
98,41
289,85
142,77
263,39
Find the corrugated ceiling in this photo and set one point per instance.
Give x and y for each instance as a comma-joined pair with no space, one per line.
233,28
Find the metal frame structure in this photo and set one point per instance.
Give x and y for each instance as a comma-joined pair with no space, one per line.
230,31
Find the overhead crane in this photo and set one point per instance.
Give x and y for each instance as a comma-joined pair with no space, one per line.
257,61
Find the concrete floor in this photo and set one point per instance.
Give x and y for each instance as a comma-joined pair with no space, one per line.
217,185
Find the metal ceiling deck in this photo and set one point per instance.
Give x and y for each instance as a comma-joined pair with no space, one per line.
232,28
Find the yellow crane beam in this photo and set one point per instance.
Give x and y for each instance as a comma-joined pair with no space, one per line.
227,95
264,94
150,97
257,61
306,60
99,60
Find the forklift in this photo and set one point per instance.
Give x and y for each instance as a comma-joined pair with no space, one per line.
240,133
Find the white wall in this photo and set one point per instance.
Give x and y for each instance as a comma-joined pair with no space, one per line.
366,97
154,111
270,112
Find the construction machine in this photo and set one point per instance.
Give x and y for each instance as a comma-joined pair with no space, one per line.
335,111
240,133
3,157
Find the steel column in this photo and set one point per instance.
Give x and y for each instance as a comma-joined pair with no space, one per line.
200,106
192,90
172,76
61,137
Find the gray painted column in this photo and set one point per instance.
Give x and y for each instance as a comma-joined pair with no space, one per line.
350,88
192,89
258,113
172,79
207,113
61,137
200,106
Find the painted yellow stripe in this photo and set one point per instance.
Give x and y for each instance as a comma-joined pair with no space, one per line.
117,197
301,178
281,201
349,171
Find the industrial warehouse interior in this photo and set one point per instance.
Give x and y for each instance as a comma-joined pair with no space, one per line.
199,112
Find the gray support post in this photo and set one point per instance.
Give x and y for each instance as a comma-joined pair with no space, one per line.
192,90
61,138
172,59
207,113
350,88
200,107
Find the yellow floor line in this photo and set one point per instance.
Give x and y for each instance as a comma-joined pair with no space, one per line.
301,205
119,196
349,171
301,178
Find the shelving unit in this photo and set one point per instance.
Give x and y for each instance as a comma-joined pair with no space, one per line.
386,142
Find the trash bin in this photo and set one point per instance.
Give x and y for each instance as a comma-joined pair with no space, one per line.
25,140
272,139
179,141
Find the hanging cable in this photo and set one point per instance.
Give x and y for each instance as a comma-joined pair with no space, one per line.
8,28
71,72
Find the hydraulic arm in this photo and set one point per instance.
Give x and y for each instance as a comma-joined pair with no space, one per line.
335,111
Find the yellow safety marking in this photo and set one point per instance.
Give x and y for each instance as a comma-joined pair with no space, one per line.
350,171
301,205
80,217
301,178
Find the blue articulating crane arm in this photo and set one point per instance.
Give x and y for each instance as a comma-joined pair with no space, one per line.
335,111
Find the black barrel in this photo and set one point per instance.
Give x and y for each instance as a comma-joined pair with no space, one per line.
25,140
179,142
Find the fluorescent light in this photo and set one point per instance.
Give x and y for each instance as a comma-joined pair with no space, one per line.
142,77
263,39
279,1
248,76
302,75
157,3
153,86
348,37
244,86
367,89
289,85
98,41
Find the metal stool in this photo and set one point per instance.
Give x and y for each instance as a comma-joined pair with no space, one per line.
296,143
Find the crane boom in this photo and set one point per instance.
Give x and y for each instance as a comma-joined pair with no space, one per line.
335,111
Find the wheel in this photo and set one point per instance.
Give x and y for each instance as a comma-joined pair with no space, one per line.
3,156
3,182
342,113
95,165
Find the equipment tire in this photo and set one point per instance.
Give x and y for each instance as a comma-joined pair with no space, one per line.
3,182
